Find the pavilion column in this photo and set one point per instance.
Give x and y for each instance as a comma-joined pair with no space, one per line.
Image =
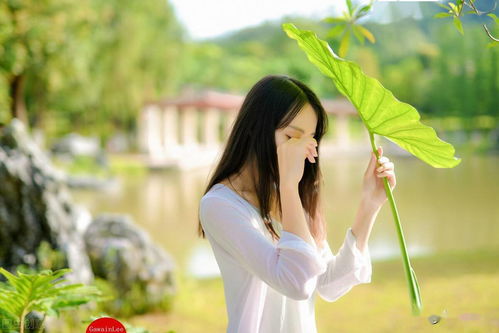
141,131
229,122
189,126
170,127
210,126
151,130
342,138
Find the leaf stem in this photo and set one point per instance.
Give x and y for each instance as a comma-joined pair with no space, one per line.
409,271
21,321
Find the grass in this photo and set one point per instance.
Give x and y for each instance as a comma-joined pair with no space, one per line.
463,284
128,164
124,164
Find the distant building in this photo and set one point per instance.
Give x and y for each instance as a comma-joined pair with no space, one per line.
188,131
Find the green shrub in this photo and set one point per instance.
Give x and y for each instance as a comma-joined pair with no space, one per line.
43,292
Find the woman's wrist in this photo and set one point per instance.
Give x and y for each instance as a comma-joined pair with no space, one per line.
369,205
293,219
287,186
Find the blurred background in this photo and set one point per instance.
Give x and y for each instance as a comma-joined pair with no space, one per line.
114,113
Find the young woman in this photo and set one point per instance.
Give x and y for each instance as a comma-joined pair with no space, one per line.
262,213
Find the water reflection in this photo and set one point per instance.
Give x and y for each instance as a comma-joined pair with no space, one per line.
202,262
440,209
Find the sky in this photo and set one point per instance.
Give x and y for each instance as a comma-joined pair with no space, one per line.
206,19
210,18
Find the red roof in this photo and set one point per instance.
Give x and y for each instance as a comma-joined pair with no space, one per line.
230,102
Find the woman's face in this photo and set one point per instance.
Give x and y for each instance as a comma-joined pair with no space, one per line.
304,123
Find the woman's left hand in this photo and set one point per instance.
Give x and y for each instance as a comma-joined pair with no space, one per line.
373,190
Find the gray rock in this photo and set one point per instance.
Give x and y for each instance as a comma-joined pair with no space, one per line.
36,206
75,144
123,254
91,182
36,209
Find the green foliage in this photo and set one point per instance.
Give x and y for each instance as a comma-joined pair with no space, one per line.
347,25
494,17
423,64
463,79
73,54
43,292
380,111
127,165
248,55
458,24
83,165
455,10
49,258
130,302
90,62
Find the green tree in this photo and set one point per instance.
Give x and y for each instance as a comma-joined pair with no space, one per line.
32,34
86,63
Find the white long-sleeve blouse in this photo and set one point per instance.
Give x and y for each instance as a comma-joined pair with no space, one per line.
270,285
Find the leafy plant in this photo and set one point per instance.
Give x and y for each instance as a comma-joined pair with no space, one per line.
48,257
455,10
43,292
384,115
126,303
347,25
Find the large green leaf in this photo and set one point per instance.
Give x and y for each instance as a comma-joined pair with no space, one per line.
381,112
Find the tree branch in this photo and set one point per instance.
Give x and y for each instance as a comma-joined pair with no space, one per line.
479,13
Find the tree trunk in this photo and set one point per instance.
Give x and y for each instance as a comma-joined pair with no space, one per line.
18,106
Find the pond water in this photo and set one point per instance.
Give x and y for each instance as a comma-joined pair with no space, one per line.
440,209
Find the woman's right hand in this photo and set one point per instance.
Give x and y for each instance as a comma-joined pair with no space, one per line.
291,155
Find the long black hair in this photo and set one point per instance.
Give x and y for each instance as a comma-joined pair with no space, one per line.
271,104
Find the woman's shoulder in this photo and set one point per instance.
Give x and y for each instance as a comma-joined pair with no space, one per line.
216,197
216,191
222,211
222,214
